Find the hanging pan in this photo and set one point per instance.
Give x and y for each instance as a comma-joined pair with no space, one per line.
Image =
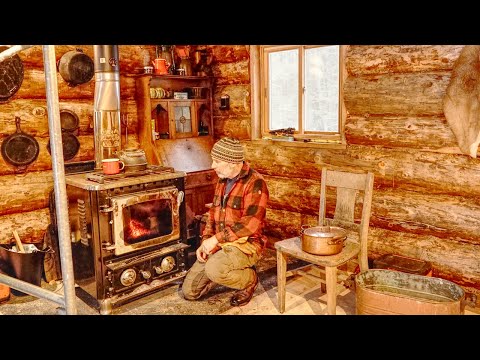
11,75
69,121
70,145
19,148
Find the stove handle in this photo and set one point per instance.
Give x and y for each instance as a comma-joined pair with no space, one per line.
180,197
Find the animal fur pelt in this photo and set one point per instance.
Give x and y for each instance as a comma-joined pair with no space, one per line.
462,101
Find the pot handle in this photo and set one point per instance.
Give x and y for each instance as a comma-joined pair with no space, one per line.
303,228
336,241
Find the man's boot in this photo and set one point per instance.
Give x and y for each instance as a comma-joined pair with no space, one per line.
243,297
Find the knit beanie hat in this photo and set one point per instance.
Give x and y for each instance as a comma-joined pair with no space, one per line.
229,150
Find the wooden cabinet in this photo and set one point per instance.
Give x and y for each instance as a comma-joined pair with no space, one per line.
171,118
179,132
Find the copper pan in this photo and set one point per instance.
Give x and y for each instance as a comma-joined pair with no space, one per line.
323,240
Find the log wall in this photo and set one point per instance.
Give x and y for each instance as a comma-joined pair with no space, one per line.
425,202
24,196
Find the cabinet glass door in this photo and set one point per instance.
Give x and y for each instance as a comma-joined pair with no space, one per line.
184,119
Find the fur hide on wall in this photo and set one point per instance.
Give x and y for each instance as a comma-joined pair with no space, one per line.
462,101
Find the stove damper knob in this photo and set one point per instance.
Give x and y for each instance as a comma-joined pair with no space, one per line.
128,277
145,274
158,270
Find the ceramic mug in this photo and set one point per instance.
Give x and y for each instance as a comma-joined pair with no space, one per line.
112,166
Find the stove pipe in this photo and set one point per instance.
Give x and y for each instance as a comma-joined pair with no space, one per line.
106,119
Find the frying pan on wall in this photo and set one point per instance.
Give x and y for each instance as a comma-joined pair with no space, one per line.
70,145
19,148
11,75
69,121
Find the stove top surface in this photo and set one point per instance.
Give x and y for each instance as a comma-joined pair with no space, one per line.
97,180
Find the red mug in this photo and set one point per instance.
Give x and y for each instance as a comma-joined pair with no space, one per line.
112,166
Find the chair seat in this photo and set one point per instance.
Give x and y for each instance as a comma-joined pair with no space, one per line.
293,247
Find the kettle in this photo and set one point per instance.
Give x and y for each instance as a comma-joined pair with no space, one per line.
161,66
134,159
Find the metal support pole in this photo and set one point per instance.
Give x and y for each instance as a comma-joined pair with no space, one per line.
32,289
61,203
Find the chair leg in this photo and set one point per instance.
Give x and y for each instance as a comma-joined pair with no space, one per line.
331,280
281,280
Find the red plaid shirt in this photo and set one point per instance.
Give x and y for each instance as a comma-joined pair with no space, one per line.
242,212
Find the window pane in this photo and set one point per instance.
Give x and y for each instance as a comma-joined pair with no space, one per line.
283,89
321,88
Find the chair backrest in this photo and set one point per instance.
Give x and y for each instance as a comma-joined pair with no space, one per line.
348,185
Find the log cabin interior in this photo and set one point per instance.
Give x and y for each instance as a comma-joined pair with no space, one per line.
406,113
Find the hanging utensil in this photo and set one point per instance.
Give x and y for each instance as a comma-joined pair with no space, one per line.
70,145
19,148
11,75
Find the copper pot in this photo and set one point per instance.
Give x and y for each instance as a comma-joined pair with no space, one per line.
323,240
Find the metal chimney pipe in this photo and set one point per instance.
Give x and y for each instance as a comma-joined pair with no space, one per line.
106,120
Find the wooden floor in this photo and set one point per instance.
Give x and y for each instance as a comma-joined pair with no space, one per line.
303,297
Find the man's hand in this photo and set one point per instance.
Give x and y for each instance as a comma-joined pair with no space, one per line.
201,254
209,244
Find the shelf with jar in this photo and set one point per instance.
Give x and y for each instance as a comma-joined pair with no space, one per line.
172,108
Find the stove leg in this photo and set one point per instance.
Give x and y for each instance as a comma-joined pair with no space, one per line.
105,307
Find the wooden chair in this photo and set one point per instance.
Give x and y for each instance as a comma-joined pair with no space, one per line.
348,185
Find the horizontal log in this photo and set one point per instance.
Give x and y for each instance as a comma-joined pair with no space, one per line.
396,94
44,160
442,216
239,100
130,56
25,193
232,73
375,60
34,116
453,260
229,53
409,169
33,87
234,126
30,226
394,131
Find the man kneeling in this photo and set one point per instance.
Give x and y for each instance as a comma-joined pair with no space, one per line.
233,240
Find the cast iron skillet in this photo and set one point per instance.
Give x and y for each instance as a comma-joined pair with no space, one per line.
70,145
19,148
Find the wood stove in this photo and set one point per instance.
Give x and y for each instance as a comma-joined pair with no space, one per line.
128,233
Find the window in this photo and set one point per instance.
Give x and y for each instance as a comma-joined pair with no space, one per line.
302,89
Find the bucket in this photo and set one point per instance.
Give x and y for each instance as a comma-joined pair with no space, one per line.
23,266
389,292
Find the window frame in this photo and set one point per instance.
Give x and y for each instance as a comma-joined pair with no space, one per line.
261,86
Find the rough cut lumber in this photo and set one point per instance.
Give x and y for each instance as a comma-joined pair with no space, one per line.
396,94
375,60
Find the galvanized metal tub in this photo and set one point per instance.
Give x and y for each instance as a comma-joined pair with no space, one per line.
389,292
